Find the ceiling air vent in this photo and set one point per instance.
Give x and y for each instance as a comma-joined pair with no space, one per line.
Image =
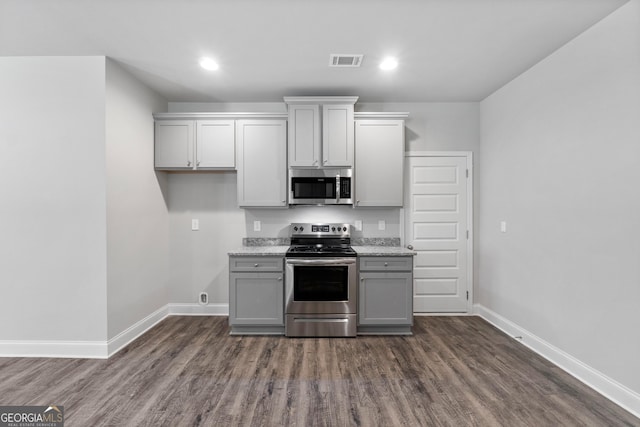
345,60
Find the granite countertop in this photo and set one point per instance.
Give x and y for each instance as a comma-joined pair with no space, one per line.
363,247
260,251
383,251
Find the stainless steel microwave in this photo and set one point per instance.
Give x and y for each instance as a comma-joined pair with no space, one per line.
320,187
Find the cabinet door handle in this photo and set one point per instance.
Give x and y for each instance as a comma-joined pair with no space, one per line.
189,163
280,278
198,163
325,161
386,264
410,247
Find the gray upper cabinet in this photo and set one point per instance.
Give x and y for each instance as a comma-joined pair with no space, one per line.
304,135
337,135
194,144
215,144
379,160
262,163
321,131
174,142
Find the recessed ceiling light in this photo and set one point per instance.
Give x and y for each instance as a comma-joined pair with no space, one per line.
209,64
388,63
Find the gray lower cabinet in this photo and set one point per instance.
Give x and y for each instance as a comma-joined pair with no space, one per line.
385,298
256,295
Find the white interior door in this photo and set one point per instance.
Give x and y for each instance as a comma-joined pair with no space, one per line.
438,224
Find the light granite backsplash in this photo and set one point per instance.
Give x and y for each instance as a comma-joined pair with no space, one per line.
355,241
375,241
266,241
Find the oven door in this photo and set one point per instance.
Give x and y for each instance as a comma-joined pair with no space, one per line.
320,286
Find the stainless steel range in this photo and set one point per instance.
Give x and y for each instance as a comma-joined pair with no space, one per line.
320,285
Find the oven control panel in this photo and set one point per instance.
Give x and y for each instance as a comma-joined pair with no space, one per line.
320,230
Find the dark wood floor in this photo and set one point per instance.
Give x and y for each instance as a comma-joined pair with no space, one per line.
454,371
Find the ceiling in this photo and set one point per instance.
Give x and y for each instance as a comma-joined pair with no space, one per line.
448,50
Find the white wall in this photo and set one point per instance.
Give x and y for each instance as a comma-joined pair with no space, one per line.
436,126
52,199
199,261
560,163
137,215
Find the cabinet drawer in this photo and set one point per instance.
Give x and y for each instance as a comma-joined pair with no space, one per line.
375,263
259,263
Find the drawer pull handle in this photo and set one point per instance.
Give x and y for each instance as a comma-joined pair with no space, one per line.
280,278
255,265
386,264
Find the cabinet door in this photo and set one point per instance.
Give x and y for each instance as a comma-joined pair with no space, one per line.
379,162
304,135
256,299
215,144
174,141
262,162
385,299
337,135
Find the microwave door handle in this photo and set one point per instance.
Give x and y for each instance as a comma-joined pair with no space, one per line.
338,188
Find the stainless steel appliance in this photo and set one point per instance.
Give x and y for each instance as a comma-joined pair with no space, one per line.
320,282
320,187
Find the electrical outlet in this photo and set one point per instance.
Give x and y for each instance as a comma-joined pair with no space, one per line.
195,225
503,226
382,224
257,226
358,225
204,298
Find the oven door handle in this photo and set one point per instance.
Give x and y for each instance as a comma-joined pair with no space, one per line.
321,261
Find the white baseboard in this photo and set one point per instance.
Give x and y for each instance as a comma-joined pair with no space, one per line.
198,310
127,336
611,389
54,349
106,349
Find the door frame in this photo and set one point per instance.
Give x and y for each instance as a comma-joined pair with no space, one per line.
470,218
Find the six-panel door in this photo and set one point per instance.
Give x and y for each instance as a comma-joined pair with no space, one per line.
437,227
